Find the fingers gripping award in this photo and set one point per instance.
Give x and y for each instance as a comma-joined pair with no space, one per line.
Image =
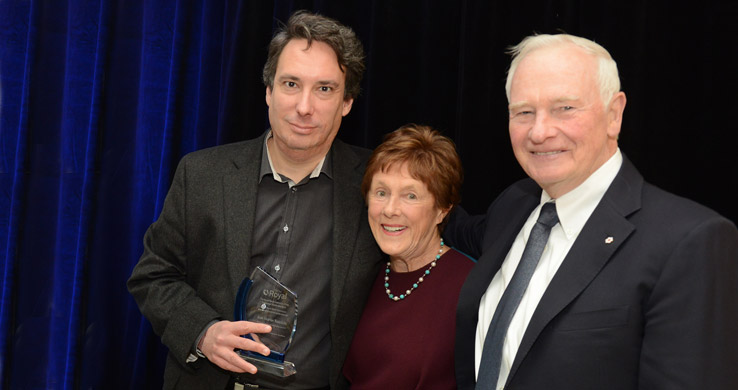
262,298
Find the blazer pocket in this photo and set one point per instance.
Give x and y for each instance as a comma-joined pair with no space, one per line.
596,319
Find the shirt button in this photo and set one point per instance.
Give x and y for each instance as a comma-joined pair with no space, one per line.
277,268
285,228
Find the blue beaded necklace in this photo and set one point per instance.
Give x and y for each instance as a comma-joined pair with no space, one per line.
416,284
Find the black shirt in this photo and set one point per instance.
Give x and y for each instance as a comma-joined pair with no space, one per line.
292,241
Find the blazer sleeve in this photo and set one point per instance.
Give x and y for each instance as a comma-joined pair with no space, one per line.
690,340
159,283
465,232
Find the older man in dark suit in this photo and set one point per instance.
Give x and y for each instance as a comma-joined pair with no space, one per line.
588,277
288,201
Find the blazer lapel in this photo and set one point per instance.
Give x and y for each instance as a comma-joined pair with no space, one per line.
348,205
606,229
239,205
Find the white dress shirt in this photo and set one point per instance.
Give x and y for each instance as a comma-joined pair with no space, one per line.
574,209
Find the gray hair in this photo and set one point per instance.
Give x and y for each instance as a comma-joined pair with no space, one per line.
608,80
310,26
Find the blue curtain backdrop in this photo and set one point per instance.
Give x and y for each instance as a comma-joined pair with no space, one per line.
101,98
99,101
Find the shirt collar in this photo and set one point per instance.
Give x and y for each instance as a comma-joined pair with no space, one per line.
575,207
267,168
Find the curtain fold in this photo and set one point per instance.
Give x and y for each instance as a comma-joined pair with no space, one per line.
17,31
100,99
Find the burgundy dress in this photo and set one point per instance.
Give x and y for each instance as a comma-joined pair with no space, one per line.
409,344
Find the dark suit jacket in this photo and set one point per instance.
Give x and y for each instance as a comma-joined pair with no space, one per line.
654,309
198,252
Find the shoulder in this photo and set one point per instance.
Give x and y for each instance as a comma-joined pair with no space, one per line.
676,212
666,223
225,151
349,164
454,266
350,153
684,229
460,259
643,203
225,156
521,194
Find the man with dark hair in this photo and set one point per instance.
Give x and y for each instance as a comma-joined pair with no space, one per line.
289,202
588,276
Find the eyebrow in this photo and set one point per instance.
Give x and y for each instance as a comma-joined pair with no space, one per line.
288,77
411,187
516,105
568,98
329,83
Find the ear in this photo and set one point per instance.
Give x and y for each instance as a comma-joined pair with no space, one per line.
615,115
347,103
268,95
442,213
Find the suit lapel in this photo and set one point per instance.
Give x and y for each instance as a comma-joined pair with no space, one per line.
239,205
606,229
499,239
348,205
496,244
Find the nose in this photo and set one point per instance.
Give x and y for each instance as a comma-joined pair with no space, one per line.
542,129
391,207
305,103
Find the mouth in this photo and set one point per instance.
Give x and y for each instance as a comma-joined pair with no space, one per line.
300,128
393,229
551,153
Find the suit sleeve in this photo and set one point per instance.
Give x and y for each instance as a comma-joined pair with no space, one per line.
465,232
690,339
159,282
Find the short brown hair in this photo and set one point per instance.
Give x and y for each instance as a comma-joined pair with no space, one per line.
310,26
431,158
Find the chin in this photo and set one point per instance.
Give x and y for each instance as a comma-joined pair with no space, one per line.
546,174
389,250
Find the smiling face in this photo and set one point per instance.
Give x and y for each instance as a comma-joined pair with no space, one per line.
403,216
307,103
561,132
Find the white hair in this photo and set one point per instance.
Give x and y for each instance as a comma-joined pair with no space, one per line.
608,80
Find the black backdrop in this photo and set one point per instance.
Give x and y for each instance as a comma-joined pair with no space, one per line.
444,64
101,98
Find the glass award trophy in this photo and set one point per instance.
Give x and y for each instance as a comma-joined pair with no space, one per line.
261,298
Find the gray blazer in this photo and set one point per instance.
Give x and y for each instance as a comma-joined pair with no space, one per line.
198,252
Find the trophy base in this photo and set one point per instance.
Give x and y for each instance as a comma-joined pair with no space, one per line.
280,369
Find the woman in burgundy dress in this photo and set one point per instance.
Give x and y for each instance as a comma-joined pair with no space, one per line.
405,339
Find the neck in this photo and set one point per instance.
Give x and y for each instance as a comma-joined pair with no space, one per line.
415,263
294,164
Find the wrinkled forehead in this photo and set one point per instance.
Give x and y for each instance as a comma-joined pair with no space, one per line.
562,70
562,58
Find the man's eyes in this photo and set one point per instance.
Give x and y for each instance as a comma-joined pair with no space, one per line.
556,110
521,113
324,89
